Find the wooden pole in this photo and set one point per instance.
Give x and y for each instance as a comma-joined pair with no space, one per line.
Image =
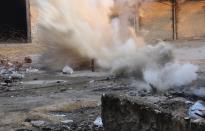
93,65
137,19
174,19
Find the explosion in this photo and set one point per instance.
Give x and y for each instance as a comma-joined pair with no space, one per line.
78,30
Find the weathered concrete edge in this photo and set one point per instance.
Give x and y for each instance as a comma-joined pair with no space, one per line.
123,113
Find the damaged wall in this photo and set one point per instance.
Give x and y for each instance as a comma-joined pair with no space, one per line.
156,20
191,19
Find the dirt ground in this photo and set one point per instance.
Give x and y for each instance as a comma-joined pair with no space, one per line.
54,101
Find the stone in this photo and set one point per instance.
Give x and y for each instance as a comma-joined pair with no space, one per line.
27,59
26,124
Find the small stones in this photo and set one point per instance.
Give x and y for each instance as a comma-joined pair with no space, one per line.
26,124
63,90
27,120
157,111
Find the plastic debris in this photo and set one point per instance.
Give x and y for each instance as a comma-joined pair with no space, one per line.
67,70
31,70
16,75
67,121
197,111
92,81
60,115
98,122
38,123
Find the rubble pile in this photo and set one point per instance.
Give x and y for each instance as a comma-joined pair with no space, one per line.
14,71
83,119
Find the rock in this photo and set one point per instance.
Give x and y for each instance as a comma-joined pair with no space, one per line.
3,84
27,120
18,65
7,81
62,90
4,61
26,124
67,70
28,60
9,64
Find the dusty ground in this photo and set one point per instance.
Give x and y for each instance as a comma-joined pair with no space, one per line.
54,97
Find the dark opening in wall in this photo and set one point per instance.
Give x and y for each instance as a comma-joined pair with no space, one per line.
14,21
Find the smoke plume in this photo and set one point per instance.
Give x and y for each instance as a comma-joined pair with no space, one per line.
78,30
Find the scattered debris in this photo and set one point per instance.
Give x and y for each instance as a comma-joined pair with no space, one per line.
92,81
98,122
11,71
197,111
23,130
67,70
31,70
67,121
27,120
16,75
38,123
60,115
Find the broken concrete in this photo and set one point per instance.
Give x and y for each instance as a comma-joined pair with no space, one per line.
126,113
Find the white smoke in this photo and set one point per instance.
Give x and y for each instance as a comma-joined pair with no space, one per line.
77,30
171,75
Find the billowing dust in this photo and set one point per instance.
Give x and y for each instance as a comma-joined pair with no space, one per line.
75,31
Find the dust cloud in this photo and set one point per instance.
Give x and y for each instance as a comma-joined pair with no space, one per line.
77,30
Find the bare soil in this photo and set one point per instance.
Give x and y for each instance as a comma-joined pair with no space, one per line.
55,98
